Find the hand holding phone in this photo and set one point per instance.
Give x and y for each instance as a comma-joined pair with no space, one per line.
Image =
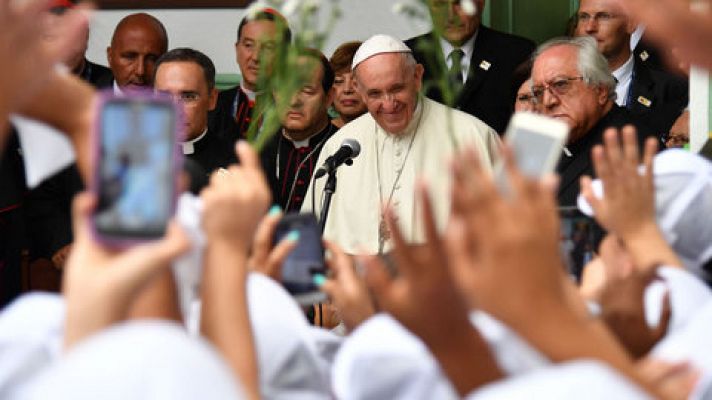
305,261
537,142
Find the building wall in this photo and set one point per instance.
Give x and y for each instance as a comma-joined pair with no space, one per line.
214,31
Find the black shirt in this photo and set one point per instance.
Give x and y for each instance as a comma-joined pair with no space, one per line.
578,162
296,166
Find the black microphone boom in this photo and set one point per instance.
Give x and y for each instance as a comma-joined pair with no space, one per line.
349,149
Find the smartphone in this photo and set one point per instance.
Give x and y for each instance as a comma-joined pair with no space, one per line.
305,261
580,237
136,162
537,142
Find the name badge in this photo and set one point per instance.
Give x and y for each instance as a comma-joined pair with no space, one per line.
644,101
485,65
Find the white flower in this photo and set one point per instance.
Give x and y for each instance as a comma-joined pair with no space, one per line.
311,5
398,8
254,9
309,36
469,7
290,7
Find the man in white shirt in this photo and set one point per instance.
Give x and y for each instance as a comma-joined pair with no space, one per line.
656,95
403,136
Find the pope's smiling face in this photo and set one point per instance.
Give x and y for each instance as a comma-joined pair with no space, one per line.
389,84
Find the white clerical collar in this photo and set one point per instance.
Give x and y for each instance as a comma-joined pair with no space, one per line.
623,76
468,48
304,142
189,145
636,36
252,95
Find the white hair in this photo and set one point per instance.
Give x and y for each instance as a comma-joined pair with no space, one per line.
592,66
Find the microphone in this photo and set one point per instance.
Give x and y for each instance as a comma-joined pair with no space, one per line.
349,149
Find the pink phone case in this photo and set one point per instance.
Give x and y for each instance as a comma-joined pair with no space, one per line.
109,96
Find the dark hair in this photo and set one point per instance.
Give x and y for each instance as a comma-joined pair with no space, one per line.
267,14
343,56
327,80
185,54
520,75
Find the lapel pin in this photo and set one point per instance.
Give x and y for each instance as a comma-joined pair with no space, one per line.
644,101
485,65
644,55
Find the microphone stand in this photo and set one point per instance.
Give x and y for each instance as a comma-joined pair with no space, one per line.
329,190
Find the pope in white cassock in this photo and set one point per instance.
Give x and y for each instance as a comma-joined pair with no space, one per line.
403,136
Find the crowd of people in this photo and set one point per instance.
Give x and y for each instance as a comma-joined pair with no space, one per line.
440,285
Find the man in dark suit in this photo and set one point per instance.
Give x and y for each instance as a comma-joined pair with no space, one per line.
258,38
98,75
189,76
655,95
467,65
571,82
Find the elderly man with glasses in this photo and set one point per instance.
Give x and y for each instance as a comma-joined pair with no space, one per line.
571,81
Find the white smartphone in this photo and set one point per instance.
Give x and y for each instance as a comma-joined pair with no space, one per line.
537,142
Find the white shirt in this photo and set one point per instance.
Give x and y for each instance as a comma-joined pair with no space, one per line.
117,89
636,36
355,213
624,76
468,48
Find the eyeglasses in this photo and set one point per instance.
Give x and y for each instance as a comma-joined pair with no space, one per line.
599,17
557,87
524,98
183,97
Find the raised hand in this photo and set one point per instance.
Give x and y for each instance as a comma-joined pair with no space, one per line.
266,257
622,304
26,61
629,195
423,297
235,201
346,289
233,205
99,283
505,249
501,244
627,208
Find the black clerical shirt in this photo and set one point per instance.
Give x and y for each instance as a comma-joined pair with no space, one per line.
289,166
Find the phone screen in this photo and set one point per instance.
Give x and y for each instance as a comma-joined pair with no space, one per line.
305,261
580,236
135,170
532,151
